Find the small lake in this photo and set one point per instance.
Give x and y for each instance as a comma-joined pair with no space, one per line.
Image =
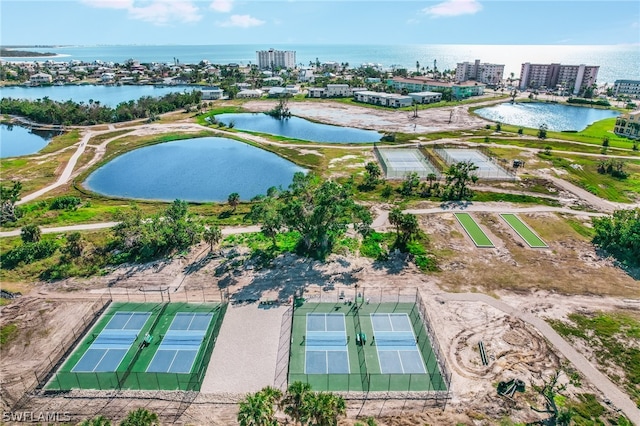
200,170
557,117
107,95
17,140
298,128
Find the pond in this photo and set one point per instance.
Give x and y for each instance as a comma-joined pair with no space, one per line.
17,140
199,170
298,128
107,95
557,117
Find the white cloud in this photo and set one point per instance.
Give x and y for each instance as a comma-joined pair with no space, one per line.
158,12
223,6
453,8
109,4
242,21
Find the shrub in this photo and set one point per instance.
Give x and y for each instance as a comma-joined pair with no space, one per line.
65,202
28,253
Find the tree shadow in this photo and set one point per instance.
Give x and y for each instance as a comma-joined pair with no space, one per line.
393,264
289,275
455,204
633,272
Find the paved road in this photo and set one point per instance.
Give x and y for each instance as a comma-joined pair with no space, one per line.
599,380
472,207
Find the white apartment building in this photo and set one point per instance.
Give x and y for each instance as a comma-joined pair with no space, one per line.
384,99
271,59
482,72
40,78
574,78
627,87
338,90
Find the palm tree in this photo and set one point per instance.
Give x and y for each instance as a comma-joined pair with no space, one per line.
255,410
212,235
30,233
96,421
234,200
140,417
294,402
325,408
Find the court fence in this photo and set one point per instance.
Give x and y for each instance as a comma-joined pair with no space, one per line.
391,172
499,173
138,380
435,384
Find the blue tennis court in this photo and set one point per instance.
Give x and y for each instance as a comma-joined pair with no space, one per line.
112,344
180,345
326,349
396,344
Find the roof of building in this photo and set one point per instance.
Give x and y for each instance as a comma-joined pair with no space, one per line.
426,93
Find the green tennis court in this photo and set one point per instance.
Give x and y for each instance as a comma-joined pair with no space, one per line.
480,239
326,353
145,346
524,231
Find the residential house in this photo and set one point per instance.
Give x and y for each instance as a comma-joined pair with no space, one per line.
384,99
628,125
426,97
211,93
249,93
40,78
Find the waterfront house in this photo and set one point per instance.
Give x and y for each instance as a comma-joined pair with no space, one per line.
211,93
628,125
40,78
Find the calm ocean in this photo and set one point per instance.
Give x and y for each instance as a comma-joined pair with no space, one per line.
616,62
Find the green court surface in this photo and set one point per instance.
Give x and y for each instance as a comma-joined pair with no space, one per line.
364,364
130,372
474,231
524,231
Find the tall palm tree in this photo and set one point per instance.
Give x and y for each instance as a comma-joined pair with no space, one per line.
234,200
212,235
294,402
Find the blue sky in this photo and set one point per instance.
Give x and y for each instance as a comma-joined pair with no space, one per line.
88,22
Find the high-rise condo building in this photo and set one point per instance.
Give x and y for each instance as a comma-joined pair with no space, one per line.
574,78
272,59
484,73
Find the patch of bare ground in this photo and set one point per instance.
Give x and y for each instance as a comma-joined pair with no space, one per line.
43,324
570,265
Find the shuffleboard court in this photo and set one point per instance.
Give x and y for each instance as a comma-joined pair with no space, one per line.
396,344
326,349
474,231
180,345
112,344
524,231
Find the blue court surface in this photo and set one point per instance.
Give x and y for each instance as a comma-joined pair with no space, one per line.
110,346
181,343
396,344
326,344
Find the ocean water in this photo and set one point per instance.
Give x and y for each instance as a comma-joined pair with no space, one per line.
616,61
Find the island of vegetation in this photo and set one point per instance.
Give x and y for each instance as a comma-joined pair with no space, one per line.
14,53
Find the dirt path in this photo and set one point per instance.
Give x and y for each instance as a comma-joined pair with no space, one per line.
599,380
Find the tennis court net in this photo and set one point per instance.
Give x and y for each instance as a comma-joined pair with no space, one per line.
395,339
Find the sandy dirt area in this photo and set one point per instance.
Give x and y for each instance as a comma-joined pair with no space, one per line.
428,121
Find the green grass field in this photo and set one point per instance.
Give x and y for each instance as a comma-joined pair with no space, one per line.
474,231
364,364
524,231
131,372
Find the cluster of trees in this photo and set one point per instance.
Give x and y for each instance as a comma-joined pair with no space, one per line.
458,177
48,111
601,102
612,167
141,239
9,196
299,403
319,211
138,417
619,235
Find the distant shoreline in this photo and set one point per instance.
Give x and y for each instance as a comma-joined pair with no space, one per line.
12,53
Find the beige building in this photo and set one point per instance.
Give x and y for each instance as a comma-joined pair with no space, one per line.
484,73
574,78
628,125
